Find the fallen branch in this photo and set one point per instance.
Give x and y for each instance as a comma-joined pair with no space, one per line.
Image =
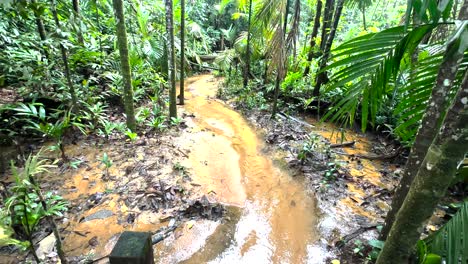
286,116
349,237
373,157
162,234
343,145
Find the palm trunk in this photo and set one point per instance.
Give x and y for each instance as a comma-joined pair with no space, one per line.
428,131
247,54
125,64
182,51
313,38
280,72
76,11
322,76
327,18
171,55
431,182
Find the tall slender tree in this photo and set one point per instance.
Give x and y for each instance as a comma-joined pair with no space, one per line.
426,134
431,181
63,51
313,37
125,64
322,75
171,55
77,20
247,52
182,52
327,20
40,26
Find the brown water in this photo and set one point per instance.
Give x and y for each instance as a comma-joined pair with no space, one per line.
272,219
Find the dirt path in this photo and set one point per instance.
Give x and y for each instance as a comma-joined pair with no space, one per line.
276,220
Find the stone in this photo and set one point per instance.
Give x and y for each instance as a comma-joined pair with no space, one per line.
46,246
101,214
133,247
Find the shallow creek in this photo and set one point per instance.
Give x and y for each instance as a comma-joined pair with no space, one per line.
271,218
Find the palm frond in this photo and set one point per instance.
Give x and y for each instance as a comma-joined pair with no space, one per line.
416,91
451,241
367,68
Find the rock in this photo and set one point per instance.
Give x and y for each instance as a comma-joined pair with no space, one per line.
93,242
101,214
46,246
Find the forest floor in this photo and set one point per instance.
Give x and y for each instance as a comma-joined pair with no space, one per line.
226,187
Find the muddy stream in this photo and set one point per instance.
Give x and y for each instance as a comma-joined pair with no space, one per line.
271,216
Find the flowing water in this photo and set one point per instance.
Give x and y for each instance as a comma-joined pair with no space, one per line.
271,218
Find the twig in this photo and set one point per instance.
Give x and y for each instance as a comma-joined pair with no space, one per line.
183,153
353,235
342,145
373,157
286,116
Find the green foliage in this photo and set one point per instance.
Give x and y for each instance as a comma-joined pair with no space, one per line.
26,206
309,147
450,241
425,257
106,161
368,68
131,135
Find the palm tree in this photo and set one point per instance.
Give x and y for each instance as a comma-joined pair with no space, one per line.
431,181
281,67
370,71
445,79
182,51
171,55
125,64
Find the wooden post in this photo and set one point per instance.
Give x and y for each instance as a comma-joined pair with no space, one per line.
133,248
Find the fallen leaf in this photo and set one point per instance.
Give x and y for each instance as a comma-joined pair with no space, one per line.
190,224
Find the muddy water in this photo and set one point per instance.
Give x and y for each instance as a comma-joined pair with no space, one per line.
361,170
272,218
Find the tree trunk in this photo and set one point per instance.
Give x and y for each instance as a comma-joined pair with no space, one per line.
40,28
431,182
171,55
364,17
430,122
182,51
76,11
463,15
327,18
247,53
64,57
125,64
280,72
313,38
322,76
